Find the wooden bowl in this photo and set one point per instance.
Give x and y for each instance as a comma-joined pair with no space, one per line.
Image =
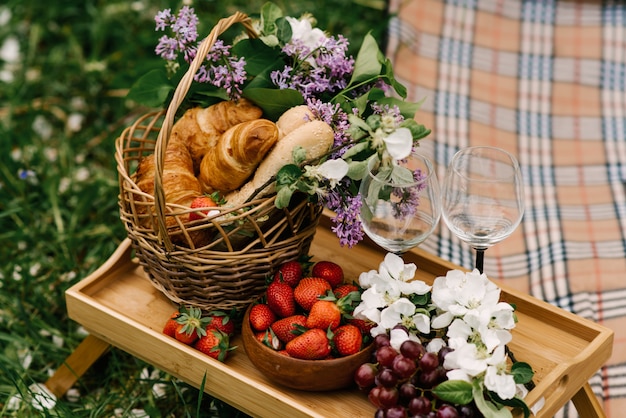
308,375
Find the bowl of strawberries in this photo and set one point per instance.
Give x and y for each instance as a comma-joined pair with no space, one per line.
301,334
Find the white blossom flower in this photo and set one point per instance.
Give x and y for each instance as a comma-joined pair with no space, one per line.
331,170
497,378
303,31
457,293
399,143
467,358
398,335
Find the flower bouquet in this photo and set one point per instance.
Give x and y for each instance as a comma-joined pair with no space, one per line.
284,63
439,348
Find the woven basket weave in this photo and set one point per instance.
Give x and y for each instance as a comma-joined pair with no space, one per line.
248,242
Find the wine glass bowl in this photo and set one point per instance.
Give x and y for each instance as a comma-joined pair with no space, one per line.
401,206
482,197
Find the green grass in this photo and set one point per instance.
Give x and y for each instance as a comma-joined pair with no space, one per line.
65,68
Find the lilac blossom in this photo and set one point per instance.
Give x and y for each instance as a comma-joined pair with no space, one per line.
315,71
225,71
346,223
335,117
184,28
407,199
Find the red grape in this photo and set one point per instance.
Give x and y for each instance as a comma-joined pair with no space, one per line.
385,355
419,405
388,397
403,367
396,412
381,340
412,349
407,391
429,362
386,377
373,396
447,411
365,375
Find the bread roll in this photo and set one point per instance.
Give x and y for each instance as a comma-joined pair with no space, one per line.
293,118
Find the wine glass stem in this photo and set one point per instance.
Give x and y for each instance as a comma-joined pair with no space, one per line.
480,259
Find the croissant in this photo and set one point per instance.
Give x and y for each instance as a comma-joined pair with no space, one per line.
180,187
199,128
236,155
315,136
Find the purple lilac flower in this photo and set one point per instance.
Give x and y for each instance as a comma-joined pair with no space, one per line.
335,117
323,70
226,71
184,28
407,198
346,223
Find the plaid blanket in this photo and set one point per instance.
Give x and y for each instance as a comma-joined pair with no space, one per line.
545,80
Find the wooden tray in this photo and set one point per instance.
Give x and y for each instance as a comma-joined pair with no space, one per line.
118,304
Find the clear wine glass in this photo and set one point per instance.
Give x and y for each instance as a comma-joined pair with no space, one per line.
483,197
401,207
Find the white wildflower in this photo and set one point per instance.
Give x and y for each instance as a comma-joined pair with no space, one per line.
399,143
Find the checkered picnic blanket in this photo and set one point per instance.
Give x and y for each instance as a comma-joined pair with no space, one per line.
545,80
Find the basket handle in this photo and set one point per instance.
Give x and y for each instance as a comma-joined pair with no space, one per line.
177,100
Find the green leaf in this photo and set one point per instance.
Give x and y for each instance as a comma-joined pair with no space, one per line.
298,155
152,89
418,131
515,402
368,63
401,175
454,391
283,30
357,169
522,372
356,149
283,196
274,102
259,57
288,175
488,408
270,12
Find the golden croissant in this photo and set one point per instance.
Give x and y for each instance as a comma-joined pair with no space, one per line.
236,155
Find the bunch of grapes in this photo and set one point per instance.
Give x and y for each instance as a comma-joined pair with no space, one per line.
399,383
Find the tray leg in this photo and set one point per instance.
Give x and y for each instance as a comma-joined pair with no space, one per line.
587,404
76,364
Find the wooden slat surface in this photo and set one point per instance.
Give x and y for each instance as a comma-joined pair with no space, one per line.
119,305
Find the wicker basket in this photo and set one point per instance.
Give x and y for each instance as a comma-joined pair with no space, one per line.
248,243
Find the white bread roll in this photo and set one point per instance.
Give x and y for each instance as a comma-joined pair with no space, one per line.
293,118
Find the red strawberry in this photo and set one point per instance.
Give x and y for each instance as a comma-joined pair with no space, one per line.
201,202
309,290
280,299
191,325
214,344
286,329
364,325
261,317
220,320
347,340
323,315
344,289
332,272
171,325
312,345
289,272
